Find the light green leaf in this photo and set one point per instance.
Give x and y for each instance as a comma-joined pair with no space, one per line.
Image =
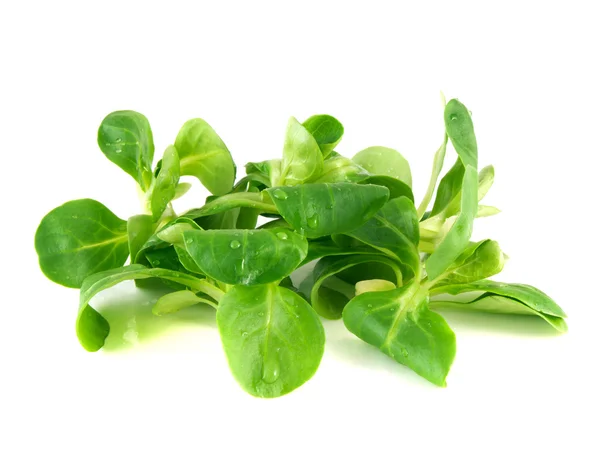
176,301
92,328
181,190
480,260
384,161
125,138
272,338
164,188
255,200
203,154
400,324
139,229
302,158
338,169
438,164
79,238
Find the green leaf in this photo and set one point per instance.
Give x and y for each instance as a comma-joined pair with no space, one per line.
502,298
384,161
203,154
92,328
125,138
331,306
139,229
458,237
338,169
79,238
164,188
272,338
450,188
265,172
329,208
394,230
181,190
176,301
485,181
396,187
400,324
254,200
459,128
319,249
438,164
480,260
326,130
246,256
302,158
374,285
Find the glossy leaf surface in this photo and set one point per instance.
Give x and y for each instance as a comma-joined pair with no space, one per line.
323,209
384,161
246,256
125,138
203,154
400,324
326,130
273,339
79,238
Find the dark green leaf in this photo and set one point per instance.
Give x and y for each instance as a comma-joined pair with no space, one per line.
504,298
324,209
458,237
396,187
331,306
79,238
246,256
326,130
449,188
272,338
394,230
125,138
459,128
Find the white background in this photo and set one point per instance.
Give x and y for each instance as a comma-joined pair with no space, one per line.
529,73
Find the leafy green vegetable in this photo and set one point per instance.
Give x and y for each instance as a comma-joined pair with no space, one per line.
324,209
92,328
384,161
79,238
343,240
139,229
126,139
246,257
302,158
331,306
203,154
394,230
400,324
326,130
503,298
273,339
164,188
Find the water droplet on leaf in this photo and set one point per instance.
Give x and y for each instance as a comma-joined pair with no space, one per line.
119,150
405,353
279,194
313,221
281,235
235,244
270,371
244,334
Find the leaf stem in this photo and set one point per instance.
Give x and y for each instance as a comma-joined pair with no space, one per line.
438,163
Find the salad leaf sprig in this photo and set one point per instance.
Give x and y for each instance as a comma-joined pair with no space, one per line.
378,262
